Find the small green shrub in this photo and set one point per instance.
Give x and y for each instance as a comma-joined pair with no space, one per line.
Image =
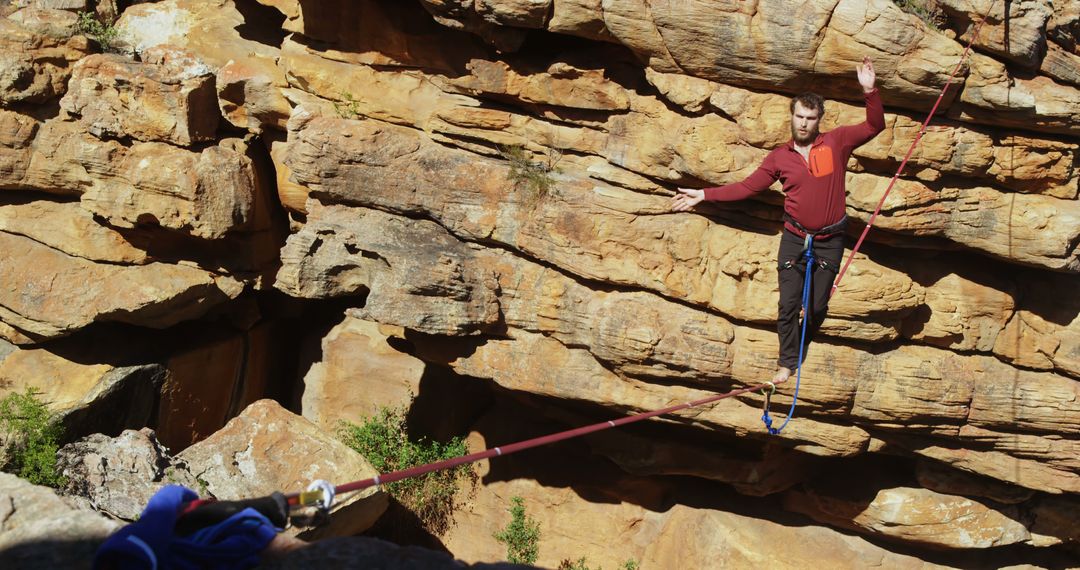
521,536
579,564
384,441
534,176
104,34
348,108
30,433
926,10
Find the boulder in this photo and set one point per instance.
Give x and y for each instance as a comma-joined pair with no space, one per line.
118,475
166,96
41,530
360,372
38,49
267,449
917,516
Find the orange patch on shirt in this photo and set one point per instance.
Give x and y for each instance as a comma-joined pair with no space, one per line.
821,161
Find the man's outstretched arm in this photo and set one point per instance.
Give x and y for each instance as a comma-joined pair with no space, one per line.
758,180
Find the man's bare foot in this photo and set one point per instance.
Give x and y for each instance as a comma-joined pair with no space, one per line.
781,375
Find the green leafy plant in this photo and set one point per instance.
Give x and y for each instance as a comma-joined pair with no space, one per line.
104,34
581,564
384,441
926,10
534,176
521,535
348,107
578,564
30,435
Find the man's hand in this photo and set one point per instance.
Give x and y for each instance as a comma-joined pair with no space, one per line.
686,198
866,74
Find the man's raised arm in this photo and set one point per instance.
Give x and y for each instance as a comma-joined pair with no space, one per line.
856,135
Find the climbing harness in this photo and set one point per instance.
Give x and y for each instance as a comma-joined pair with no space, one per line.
808,253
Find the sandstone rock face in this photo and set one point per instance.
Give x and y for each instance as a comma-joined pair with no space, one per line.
205,193
248,84
918,516
86,397
168,96
434,267
49,294
67,227
627,518
119,475
38,50
267,449
40,530
356,353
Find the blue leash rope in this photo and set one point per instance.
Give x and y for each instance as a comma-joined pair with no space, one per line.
809,250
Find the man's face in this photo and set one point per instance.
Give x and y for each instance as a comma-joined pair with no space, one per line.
804,124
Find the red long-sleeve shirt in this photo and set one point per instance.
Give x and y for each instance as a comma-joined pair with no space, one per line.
814,189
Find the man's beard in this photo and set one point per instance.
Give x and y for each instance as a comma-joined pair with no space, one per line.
809,138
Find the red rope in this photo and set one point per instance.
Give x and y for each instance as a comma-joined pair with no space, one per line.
522,445
911,149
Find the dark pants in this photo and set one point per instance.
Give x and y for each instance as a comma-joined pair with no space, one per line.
830,251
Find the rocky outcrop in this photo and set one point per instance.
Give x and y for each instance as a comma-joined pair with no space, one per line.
119,475
39,48
167,96
358,352
267,449
50,294
85,397
39,529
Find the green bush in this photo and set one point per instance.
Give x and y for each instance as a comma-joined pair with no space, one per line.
536,177
580,564
348,107
926,10
104,34
30,435
521,536
384,441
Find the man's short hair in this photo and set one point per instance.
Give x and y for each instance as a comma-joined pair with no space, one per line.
810,101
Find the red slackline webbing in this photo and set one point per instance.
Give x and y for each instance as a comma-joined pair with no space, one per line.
522,445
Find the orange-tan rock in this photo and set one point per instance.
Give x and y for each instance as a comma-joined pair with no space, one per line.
48,294
917,516
206,193
356,353
267,449
37,50
248,83
167,96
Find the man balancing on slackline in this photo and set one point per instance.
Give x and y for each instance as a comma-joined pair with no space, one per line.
811,168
